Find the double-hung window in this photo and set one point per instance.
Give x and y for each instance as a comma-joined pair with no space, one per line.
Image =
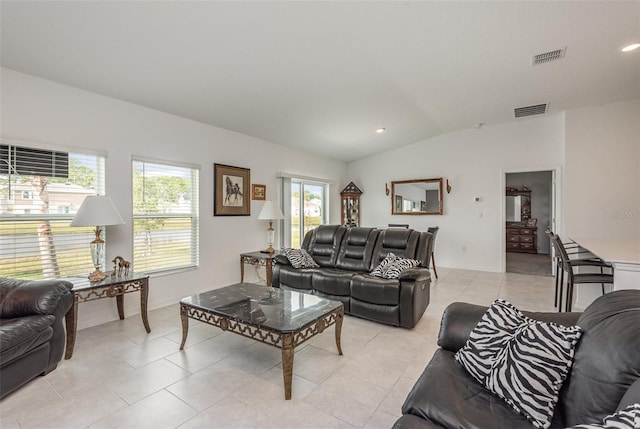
40,192
165,215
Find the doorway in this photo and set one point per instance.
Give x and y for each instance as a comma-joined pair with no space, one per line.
529,213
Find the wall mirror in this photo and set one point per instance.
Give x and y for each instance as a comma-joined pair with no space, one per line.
416,197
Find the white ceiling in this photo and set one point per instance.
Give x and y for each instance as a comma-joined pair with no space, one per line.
322,76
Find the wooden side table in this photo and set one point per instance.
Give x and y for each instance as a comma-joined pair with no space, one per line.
258,259
116,286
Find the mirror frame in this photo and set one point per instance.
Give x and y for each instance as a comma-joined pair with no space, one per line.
407,182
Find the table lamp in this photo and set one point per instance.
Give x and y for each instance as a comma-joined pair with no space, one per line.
270,211
97,210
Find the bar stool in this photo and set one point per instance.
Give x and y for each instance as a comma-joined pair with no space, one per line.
578,278
573,249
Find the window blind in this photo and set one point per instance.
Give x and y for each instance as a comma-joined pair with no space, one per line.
165,216
40,192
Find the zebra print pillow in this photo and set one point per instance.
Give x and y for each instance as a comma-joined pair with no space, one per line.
300,258
392,266
377,271
629,418
523,361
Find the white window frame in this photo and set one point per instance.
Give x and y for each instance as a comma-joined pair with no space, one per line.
286,181
193,216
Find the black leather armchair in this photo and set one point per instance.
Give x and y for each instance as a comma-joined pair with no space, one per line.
604,378
32,335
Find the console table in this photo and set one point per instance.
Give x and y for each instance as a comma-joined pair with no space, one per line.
258,259
112,286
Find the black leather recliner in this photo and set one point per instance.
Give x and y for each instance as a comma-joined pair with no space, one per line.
604,378
346,256
32,335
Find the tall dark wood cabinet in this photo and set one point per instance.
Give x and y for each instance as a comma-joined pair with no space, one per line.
350,205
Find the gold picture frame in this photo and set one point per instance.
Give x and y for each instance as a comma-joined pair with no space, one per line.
231,191
258,192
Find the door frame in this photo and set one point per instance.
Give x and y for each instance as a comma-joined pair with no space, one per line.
557,212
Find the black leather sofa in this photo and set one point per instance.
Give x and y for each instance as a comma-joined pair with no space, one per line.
346,257
604,378
32,335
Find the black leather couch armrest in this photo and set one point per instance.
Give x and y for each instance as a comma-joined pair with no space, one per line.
20,298
417,274
459,319
282,260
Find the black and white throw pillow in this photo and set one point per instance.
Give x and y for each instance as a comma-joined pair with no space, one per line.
392,266
523,361
300,258
389,259
628,418
393,270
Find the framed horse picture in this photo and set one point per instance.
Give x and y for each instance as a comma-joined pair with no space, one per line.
231,191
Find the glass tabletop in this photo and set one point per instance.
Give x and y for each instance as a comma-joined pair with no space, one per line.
84,283
273,308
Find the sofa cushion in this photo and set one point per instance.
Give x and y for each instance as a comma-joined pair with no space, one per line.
323,244
332,281
600,379
375,290
401,242
522,360
19,335
299,258
356,249
449,396
295,278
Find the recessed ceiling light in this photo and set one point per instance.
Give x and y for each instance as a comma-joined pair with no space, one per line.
631,47
381,130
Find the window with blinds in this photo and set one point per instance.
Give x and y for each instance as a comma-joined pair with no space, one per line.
165,216
40,192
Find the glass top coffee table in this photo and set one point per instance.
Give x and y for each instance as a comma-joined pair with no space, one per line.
280,318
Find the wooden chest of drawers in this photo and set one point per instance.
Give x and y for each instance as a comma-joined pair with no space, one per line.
522,239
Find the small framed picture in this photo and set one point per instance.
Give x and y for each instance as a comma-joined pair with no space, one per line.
258,192
532,222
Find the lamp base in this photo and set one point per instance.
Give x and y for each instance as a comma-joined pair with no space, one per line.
97,276
269,249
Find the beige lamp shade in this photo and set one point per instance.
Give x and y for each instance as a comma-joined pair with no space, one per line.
270,211
97,210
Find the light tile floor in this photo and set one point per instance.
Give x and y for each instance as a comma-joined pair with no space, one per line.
121,377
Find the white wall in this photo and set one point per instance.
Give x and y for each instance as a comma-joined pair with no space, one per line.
603,171
37,110
474,161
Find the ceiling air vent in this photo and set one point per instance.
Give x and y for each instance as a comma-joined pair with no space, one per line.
537,109
548,56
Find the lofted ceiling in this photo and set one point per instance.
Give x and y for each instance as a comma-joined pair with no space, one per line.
323,76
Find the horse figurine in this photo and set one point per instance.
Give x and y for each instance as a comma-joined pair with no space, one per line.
233,190
120,265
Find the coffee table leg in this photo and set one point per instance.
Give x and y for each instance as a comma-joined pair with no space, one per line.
71,322
339,320
144,297
287,363
185,326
